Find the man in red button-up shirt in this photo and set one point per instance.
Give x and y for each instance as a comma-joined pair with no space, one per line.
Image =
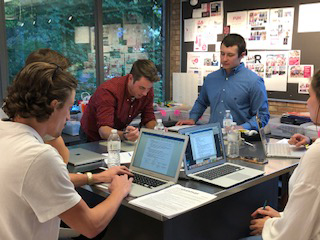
118,101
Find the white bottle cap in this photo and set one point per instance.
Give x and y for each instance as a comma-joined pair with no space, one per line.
227,110
114,131
233,124
159,120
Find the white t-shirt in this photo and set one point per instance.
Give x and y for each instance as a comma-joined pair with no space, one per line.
35,185
301,216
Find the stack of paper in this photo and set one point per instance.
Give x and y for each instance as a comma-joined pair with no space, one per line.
125,157
173,200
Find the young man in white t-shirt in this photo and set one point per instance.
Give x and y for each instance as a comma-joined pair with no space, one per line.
36,191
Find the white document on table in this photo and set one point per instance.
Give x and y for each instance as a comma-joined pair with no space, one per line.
125,157
173,200
177,128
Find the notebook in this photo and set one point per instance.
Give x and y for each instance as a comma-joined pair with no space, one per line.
205,158
280,149
156,161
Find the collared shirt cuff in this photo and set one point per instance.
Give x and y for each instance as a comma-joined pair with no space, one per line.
246,126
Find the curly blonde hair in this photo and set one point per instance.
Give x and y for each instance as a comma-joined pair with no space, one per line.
35,87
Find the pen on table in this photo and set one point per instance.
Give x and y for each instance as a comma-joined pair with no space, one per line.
250,144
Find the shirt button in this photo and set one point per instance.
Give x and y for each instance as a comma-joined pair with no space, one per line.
127,100
227,78
221,100
223,90
129,115
131,106
220,112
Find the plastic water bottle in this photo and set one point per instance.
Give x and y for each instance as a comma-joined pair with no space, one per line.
233,141
159,125
227,120
114,147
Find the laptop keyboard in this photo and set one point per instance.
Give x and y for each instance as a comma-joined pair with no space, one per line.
218,172
278,150
146,181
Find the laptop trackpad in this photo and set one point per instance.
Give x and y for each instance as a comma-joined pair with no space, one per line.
238,176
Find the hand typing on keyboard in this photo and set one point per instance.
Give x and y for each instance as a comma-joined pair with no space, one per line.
146,181
121,185
108,175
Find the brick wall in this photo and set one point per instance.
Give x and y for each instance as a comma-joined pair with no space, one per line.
174,38
274,107
277,108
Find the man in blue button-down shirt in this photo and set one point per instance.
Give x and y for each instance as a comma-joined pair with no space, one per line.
233,87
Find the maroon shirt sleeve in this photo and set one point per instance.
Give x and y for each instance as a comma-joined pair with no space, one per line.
105,108
147,113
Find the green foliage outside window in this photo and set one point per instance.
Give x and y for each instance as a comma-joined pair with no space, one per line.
34,24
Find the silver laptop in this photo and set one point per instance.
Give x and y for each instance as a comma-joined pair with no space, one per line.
280,149
205,158
156,161
81,156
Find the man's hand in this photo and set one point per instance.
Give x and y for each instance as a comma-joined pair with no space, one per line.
121,185
131,133
268,211
108,175
299,140
256,225
186,122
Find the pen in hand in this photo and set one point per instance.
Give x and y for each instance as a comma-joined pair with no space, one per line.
263,208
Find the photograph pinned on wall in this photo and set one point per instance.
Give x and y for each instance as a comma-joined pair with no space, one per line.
194,60
198,72
205,7
238,23
256,62
197,13
258,21
300,73
216,8
294,57
276,71
189,30
281,28
202,63
211,59
303,87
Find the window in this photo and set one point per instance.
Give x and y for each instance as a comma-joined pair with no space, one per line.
61,25
131,30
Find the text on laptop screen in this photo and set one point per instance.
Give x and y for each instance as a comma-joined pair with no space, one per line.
158,153
204,147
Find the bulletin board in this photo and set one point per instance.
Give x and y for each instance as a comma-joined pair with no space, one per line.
307,42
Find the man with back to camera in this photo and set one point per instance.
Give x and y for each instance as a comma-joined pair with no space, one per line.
233,87
50,56
37,190
118,101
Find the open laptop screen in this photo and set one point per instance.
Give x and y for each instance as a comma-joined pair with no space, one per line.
159,153
205,146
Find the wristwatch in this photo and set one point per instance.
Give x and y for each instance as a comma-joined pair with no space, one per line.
90,178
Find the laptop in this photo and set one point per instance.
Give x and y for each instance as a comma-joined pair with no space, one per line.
81,156
156,161
283,150
82,160
205,158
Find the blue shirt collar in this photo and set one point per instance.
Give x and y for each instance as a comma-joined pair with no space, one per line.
236,69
